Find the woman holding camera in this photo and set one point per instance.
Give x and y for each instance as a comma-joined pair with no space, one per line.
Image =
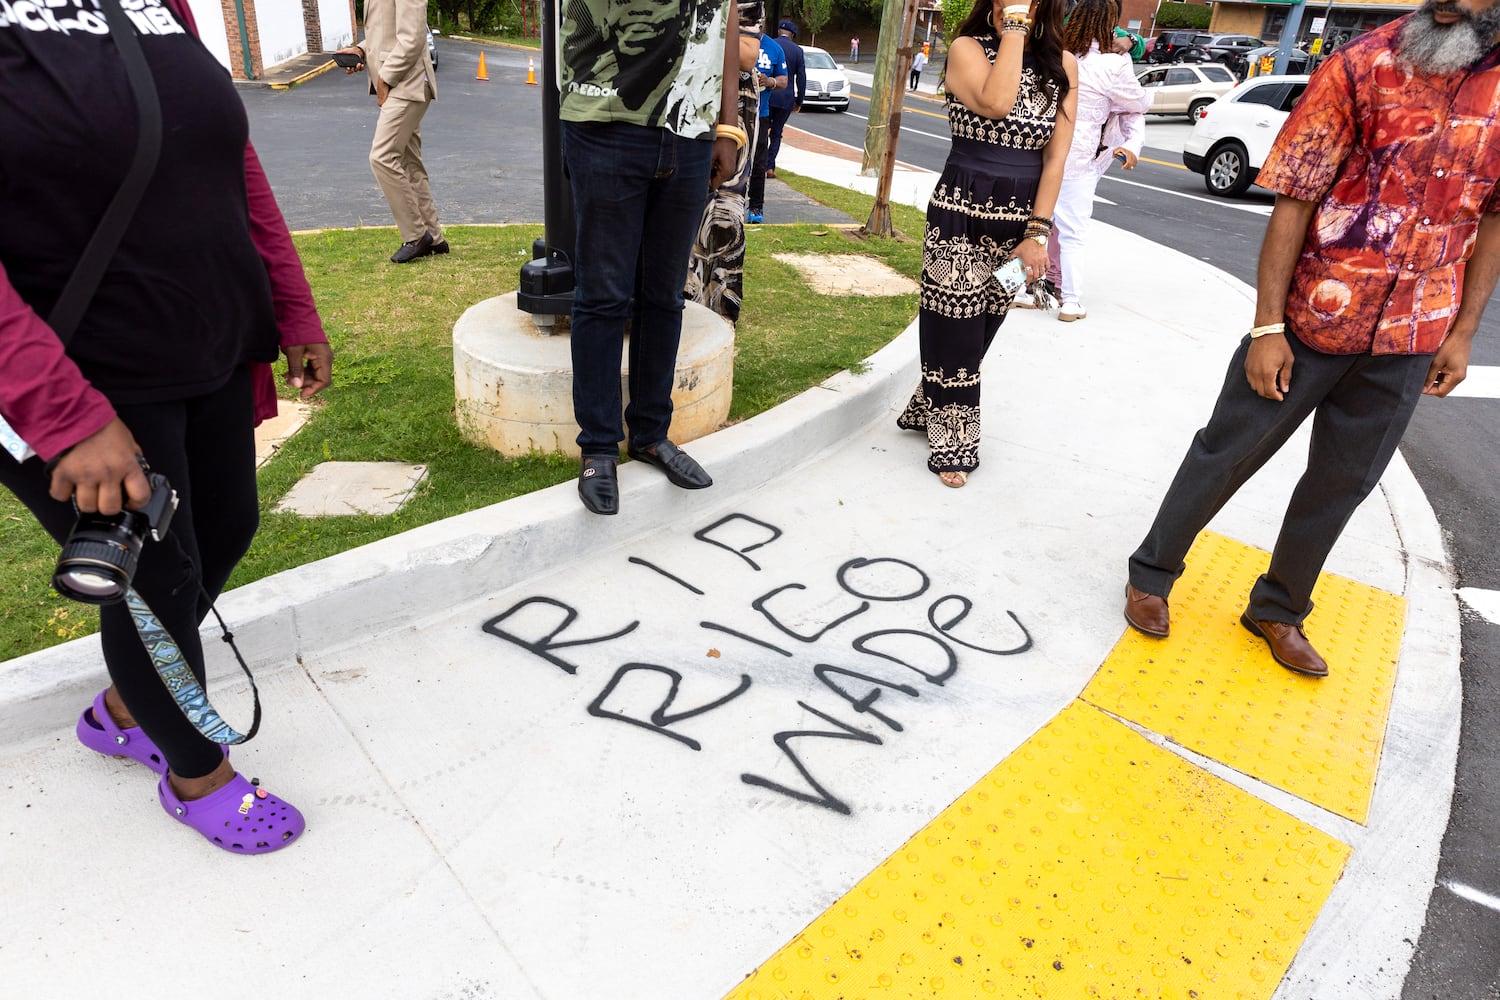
1011,96
169,361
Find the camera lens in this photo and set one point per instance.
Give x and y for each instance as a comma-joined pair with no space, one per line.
98,561
91,585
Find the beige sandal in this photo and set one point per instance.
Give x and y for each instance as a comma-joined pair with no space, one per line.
959,478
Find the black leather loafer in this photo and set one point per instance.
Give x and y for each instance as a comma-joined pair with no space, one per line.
598,486
680,468
440,247
412,249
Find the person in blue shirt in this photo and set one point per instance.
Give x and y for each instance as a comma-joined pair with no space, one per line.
771,75
788,100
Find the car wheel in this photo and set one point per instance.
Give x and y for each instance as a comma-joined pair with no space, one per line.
1227,172
1196,107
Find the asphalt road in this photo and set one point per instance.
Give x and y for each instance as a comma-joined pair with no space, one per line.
482,146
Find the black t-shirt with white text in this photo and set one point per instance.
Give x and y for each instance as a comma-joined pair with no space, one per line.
185,299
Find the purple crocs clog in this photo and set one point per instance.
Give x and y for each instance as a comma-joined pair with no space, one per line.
98,732
241,817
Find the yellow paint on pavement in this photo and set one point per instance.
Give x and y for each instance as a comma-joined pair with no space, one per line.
1091,863
1213,687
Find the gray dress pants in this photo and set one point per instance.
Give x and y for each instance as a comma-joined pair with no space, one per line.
1361,404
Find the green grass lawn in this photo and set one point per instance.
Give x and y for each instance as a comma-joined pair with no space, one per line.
392,398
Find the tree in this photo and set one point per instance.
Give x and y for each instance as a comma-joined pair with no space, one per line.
814,15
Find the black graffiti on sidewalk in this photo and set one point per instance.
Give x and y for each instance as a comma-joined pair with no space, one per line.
927,654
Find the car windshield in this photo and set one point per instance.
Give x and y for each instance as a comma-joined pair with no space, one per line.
818,60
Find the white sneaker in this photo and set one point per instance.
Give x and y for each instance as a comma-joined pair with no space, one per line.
1071,311
1023,300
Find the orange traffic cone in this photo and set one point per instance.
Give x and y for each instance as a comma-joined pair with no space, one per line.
482,74
531,70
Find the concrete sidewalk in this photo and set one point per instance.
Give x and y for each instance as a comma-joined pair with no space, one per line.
828,724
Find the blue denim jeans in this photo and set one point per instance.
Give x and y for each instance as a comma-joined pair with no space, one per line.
638,195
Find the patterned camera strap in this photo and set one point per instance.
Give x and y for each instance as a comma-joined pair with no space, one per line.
178,676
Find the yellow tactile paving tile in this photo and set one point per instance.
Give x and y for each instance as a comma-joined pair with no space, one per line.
1213,688
1089,864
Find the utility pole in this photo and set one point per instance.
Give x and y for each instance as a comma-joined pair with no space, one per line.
892,63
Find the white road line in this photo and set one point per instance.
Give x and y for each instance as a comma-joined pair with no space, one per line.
1472,894
1482,382
1104,201
1485,603
1220,202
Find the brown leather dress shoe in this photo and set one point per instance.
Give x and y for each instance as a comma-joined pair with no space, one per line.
1289,646
1147,613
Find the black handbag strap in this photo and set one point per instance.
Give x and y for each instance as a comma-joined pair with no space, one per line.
84,281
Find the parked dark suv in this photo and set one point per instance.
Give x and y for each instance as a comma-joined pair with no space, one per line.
1227,49
1169,43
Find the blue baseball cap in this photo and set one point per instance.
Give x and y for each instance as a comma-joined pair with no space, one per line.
788,26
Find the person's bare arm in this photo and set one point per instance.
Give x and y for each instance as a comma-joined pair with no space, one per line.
983,87
1450,365
725,148
1268,366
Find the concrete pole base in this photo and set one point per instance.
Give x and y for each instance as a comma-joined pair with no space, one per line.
514,381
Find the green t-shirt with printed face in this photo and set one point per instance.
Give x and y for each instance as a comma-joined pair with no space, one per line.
658,63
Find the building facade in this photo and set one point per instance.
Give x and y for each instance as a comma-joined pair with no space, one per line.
251,36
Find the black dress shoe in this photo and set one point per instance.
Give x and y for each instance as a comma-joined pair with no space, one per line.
412,249
598,486
681,470
440,247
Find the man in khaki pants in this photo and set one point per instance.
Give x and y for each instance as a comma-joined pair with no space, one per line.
394,54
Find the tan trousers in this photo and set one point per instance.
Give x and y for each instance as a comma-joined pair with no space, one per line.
396,161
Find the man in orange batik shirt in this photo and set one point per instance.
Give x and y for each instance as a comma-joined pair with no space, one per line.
1378,259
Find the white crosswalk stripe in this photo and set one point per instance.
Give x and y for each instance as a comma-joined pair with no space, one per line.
1485,603
1472,894
1483,382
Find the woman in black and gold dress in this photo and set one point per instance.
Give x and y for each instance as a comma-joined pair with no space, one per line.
1012,91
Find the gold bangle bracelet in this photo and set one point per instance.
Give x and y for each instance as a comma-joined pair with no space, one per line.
1267,330
739,135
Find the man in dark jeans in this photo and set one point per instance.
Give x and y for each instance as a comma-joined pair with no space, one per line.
641,152
786,102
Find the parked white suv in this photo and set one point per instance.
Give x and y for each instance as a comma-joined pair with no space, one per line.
1185,89
1230,140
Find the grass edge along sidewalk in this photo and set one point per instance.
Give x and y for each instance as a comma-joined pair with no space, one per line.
392,398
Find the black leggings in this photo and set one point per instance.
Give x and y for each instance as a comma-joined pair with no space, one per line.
205,446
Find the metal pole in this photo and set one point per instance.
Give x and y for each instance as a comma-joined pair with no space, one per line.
546,289
1289,37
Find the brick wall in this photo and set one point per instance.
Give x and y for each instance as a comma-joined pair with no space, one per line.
233,10
312,21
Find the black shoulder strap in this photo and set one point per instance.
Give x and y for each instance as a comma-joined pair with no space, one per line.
101,246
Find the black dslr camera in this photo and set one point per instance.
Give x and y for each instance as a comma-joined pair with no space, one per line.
98,560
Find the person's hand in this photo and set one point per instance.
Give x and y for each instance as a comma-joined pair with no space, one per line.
1450,366
93,472
1130,159
997,11
1033,258
309,367
382,91
764,81
1268,366
726,157
354,50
